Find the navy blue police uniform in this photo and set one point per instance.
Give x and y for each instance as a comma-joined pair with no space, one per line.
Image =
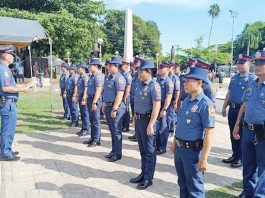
8,108
112,85
82,82
146,93
236,88
167,87
63,78
194,117
96,80
70,86
253,135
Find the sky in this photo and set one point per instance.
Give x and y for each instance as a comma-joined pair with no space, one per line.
182,21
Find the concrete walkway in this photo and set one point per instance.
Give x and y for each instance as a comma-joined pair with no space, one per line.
57,164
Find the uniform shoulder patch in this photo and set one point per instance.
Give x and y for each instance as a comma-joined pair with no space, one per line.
211,109
6,74
171,84
120,80
213,89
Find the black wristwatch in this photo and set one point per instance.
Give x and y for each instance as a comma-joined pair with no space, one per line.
164,109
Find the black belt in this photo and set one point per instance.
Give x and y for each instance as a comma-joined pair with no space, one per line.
253,127
3,100
234,105
142,116
197,145
109,104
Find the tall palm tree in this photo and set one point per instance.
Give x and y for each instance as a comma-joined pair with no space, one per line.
214,12
252,33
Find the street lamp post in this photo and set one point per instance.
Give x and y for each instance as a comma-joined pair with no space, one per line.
68,57
100,42
172,53
157,55
234,15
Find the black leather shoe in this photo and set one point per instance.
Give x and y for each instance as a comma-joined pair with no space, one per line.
144,184
132,137
109,155
84,133
114,158
94,143
125,130
229,160
137,179
161,152
15,153
73,125
11,158
88,141
236,164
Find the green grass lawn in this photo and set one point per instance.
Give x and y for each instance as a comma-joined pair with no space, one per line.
36,115
226,192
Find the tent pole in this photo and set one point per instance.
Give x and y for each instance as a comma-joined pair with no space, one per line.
30,66
51,72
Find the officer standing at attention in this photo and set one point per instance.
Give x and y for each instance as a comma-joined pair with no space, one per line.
64,76
171,113
135,80
253,135
82,83
194,135
147,106
236,89
126,96
167,88
70,87
94,101
114,108
8,98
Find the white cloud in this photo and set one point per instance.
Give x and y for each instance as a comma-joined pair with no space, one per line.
185,3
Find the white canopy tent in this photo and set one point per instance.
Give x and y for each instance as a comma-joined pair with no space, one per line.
21,33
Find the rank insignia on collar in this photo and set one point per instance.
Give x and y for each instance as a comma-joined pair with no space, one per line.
194,108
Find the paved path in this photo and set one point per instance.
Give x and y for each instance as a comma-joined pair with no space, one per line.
57,164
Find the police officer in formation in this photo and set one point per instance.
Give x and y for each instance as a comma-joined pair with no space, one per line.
64,76
114,107
171,113
167,88
71,81
82,83
194,135
253,135
94,101
126,96
147,101
135,81
8,98
236,89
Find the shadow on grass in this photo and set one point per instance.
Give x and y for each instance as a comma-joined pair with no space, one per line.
226,192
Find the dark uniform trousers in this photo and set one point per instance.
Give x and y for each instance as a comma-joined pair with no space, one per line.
253,161
8,112
115,127
147,147
94,117
84,114
127,117
66,107
162,132
73,107
190,179
236,144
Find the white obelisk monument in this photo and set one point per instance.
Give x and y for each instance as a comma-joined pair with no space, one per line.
128,37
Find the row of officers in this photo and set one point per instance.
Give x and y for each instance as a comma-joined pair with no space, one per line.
173,103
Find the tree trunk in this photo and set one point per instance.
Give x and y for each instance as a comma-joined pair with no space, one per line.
248,45
210,32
